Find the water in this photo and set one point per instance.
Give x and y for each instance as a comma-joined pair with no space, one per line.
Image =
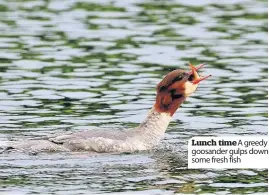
73,65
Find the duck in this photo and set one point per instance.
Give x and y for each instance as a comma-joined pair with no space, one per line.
171,92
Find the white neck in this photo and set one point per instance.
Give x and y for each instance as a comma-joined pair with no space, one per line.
156,121
152,129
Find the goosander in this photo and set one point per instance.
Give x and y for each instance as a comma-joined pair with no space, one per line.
171,93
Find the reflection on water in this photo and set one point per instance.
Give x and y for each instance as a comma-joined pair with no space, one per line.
71,65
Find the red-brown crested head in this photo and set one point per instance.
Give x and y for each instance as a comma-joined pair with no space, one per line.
175,88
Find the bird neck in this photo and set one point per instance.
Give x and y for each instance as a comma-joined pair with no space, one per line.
168,103
156,122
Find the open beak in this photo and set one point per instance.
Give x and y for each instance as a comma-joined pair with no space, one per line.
197,78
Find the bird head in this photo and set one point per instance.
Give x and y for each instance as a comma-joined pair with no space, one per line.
176,87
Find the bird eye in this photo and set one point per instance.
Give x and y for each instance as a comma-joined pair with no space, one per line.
191,77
